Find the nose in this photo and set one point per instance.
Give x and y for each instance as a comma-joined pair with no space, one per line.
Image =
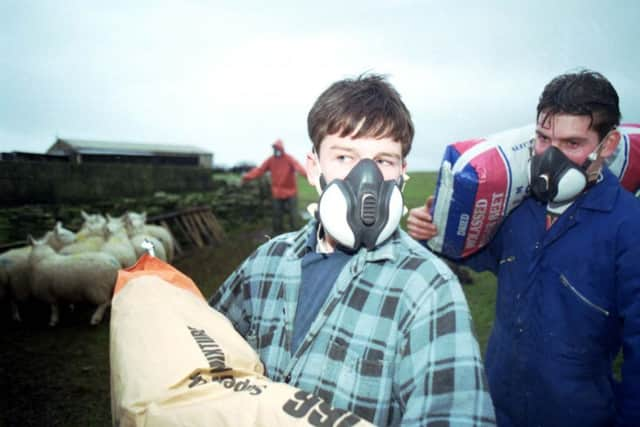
555,143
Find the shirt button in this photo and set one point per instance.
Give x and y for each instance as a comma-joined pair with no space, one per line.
287,379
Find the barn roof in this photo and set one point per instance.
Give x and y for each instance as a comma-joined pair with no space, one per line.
83,146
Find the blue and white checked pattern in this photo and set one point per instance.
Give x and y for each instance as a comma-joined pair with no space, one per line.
393,341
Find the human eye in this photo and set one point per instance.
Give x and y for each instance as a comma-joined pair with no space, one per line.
571,144
542,139
386,161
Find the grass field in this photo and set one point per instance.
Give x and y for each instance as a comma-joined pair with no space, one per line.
60,377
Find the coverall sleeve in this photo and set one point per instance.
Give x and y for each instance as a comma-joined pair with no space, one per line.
628,276
486,259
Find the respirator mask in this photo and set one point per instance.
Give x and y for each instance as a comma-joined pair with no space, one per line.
554,178
362,209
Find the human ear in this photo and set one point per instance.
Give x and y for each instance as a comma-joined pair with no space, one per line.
610,143
313,170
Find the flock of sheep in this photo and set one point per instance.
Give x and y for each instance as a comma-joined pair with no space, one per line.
64,267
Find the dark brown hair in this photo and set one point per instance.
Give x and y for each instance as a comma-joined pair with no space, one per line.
367,106
584,93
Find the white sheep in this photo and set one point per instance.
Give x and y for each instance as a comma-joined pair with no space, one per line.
14,272
140,241
90,238
15,264
92,225
60,237
118,243
87,277
136,224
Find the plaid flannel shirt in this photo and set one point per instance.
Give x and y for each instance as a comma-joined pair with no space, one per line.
393,342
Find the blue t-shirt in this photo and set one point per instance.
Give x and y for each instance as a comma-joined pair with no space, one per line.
319,273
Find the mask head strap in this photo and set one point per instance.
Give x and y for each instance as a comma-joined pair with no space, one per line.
596,151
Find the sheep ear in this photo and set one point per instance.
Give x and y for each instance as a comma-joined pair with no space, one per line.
31,240
109,217
58,226
84,215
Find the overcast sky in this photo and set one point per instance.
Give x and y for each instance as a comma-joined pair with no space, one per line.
232,76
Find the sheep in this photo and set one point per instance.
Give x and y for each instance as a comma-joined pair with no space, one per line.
90,238
61,237
14,267
118,243
14,263
87,277
139,245
138,235
136,224
92,225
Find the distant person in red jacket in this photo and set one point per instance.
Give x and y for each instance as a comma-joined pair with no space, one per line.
284,189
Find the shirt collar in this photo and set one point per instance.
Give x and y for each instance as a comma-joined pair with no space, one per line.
602,196
305,241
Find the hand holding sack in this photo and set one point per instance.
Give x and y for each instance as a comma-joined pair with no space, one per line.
176,361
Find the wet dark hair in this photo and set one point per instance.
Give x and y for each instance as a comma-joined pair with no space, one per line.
369,99
583,93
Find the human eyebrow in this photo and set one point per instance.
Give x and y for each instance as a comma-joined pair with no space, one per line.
575,139
569,138
541,134
387,155
341,148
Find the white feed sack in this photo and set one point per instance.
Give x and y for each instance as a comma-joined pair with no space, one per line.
482,180
176,361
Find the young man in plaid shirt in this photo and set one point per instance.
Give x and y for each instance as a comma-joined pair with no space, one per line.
350,308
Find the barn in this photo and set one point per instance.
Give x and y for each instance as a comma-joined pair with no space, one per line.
87,151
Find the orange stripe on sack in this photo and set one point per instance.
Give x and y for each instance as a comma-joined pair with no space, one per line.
149,265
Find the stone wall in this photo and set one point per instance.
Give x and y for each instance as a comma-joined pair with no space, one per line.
35,182
233,204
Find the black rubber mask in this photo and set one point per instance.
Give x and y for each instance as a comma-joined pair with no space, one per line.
362,209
